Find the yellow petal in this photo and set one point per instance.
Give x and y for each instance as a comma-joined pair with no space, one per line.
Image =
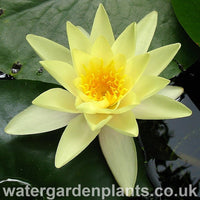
160,58
145,31
81,60
119,61
160,107
172,91
102,26
76,137
135,68
76,38
120,153
83,31
102,49
49,50
149,85
35,119
125,123
62,72
97,121
127,103
56,99
125,43
92,107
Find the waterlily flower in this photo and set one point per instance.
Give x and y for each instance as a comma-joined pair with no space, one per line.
107,84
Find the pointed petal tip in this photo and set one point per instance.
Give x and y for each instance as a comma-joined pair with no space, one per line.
57,164
6,130
96,122
9,129
34,101
136,134
174,45
42,62
101,10
78,38
172,91
129,193
69,25
178,45
153,14
188,112
180,90
152,108
131,134
167,81
60,161
48,49
101,6
102,26
45,62
30,37
132,25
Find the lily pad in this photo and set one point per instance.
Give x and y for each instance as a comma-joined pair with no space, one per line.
188,14
47,18
29,160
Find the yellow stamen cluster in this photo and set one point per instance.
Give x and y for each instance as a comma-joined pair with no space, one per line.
101,82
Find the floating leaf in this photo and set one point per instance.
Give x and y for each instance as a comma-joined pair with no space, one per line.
48,18
188,14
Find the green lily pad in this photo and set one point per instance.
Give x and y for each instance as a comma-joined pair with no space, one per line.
188,14
47,18
30,159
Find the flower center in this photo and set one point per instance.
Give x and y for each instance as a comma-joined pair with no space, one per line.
103,82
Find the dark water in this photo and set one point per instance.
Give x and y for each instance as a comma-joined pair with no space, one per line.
185,139
172,147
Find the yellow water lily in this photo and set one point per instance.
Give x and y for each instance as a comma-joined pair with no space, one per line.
108,84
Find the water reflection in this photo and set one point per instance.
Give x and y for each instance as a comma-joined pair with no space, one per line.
4,76
172,150
16,67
